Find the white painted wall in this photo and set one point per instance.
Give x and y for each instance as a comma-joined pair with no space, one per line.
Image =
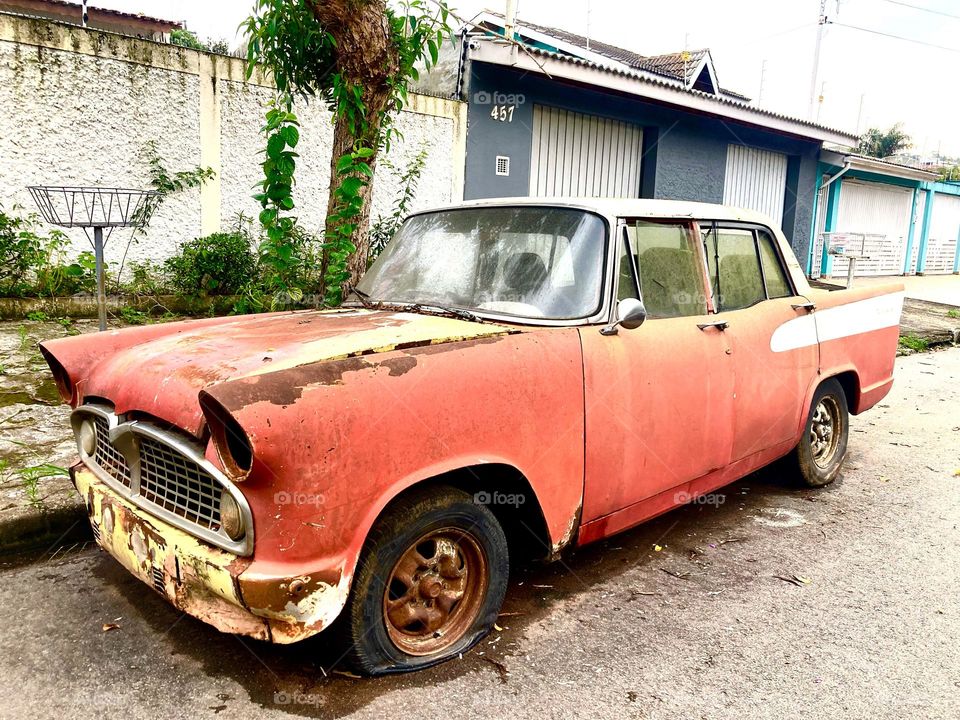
80,105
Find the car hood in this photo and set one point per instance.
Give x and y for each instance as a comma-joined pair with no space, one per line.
162,377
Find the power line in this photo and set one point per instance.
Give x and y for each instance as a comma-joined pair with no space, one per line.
922,9
897,37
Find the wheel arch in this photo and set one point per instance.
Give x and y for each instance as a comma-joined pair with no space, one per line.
509,496
850,383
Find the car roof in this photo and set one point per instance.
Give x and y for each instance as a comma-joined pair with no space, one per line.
627,207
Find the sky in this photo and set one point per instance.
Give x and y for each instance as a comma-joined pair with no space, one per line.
867,80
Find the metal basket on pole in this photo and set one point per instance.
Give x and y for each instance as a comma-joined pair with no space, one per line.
96,209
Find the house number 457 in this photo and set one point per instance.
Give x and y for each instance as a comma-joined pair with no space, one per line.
503,113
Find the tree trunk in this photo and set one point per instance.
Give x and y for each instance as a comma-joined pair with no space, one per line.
366,58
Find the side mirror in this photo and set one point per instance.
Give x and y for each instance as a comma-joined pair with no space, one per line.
631,314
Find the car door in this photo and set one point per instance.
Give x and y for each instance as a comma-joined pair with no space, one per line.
753,295
658,398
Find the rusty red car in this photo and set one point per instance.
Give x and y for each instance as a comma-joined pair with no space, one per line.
509,379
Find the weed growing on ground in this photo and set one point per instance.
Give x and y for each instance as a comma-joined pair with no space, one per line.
912,342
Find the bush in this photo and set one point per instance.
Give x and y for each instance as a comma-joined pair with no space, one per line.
22,250
217,264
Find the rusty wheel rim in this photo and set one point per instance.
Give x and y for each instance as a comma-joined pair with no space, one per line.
435,591
825,429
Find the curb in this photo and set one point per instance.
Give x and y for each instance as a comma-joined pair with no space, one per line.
33,529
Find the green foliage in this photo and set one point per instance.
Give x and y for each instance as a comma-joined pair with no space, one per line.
950,174
955,313
276,198
22,249
37,316
287,38
386,227
167,183
147,278
884,143
30,478
912,342
218,264
189,39
133,316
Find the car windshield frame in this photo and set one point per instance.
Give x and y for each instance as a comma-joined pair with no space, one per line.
597,313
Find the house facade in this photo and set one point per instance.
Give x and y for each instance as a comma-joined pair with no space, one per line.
552,113
898,218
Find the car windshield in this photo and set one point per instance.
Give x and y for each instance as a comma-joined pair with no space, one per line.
533,262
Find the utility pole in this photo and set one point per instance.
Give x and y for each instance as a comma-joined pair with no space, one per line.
860,113
763,75
84,14
588,25
821,24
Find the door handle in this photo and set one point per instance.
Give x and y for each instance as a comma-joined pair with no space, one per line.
718,324
808,306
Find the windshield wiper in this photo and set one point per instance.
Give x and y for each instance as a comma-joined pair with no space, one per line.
454,312
361,296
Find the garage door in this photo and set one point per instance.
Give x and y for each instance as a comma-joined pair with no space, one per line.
944,228
756,180
584,155
881,211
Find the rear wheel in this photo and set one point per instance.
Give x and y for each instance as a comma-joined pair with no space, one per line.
429,585
818,457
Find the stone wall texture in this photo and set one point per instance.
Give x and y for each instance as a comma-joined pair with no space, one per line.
80,106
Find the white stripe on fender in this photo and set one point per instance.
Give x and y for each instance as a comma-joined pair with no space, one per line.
854,318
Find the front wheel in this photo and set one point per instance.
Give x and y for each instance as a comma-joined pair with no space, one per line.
818,457
429,585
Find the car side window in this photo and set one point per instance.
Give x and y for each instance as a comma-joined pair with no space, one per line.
777,284
671,281
734,267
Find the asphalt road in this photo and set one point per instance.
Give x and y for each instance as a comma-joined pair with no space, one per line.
705,628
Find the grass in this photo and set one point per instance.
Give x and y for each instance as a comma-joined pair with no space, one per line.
955,313
912,342
30,478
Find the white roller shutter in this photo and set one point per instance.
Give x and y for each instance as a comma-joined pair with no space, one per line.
583,155
944,228
756,180
880,210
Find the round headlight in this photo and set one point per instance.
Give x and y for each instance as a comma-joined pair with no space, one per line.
230,518
87,437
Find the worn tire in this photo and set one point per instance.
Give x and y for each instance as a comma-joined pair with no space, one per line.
811,463
365,629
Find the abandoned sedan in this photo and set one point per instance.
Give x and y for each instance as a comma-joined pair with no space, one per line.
510,378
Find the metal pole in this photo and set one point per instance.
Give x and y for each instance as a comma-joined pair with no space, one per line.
101,292
85,17
851,269
821,22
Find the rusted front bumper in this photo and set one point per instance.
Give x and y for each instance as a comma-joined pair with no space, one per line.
210,584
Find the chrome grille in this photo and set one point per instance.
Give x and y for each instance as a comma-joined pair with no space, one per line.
107,456
178,484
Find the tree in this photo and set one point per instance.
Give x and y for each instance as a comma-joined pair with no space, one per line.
884,143
358,56
950,173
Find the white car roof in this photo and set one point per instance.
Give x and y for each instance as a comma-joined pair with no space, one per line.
629,207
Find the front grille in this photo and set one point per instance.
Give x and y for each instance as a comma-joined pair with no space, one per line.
178,485
107,456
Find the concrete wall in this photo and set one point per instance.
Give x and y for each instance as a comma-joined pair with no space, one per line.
80,106
684,156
